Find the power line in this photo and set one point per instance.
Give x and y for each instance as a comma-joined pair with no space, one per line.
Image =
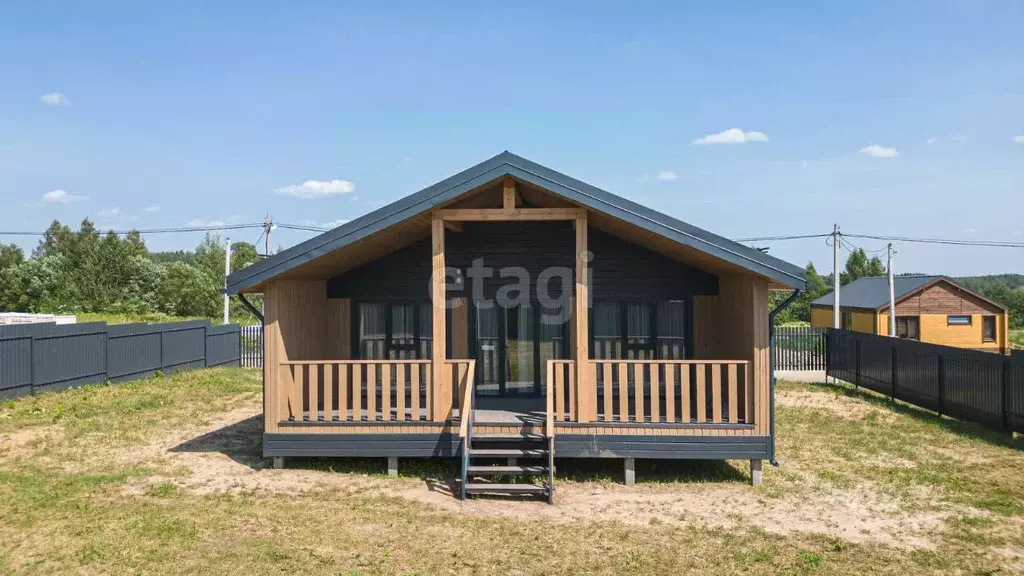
797,237
947,241
146,230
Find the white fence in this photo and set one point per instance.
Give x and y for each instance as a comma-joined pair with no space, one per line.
252,346
12,318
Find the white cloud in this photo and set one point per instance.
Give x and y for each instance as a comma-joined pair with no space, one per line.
732,136
55,99
335,223
317,188
1019,139
932,141
109,213
667,175
877,151
61,196
151,209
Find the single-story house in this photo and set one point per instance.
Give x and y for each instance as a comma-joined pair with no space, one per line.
932,309
513,314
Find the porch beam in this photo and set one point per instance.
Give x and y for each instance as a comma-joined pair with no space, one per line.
586,398
453,226
441,387
516,214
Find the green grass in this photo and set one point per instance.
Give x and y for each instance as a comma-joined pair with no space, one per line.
1017,338
75,500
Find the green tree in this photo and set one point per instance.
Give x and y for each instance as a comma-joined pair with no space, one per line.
859,266
800,310
188,291
11,255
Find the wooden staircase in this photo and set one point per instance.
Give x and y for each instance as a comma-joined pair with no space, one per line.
484,464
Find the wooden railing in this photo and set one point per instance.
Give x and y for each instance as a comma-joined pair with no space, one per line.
656,392
463,373
561,394
355,391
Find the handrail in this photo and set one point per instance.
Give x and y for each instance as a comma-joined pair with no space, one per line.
466,402
549,427
321,362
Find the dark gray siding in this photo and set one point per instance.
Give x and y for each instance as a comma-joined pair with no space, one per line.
566,446
621,270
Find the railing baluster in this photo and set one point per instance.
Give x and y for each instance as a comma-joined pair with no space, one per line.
343,381
684,393
328,392
371,392
606,384
559,393
414,391
655,394
702,405
572,395
670,393
314,393
716,393
400,376
638,391
734,410
623,393
385,392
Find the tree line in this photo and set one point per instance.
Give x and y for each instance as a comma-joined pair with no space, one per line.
84,270
1006,289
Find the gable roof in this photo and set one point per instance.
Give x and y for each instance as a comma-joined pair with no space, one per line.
508,164
872,292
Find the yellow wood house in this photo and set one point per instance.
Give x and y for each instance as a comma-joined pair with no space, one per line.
933,309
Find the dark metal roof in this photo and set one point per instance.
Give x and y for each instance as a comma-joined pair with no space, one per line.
872,292
508,164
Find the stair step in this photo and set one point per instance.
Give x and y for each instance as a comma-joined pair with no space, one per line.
508,452
478,487
483,436
509,470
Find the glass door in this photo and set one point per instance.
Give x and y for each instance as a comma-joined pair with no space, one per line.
507,351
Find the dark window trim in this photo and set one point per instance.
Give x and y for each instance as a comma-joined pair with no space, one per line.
652,307
907,318
389,346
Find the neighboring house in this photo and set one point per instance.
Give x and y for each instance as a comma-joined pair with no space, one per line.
601,329
931,309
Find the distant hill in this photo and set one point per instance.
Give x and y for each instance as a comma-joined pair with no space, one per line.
979,283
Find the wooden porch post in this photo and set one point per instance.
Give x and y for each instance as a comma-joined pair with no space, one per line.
586,398
441,385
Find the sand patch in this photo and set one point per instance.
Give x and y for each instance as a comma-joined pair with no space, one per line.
846,408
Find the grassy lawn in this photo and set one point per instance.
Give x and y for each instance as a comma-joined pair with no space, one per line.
1017,338
164,476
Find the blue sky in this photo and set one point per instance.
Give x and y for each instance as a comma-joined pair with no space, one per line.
888,117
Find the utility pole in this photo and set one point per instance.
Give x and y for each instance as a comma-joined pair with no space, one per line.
835,275
892,296
268,227
227,270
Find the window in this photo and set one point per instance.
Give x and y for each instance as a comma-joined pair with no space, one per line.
958,320
639,330
988,328
847,321
908,327
394,331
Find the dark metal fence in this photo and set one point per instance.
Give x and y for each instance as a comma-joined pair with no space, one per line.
799,348
982,387
252,346
47,357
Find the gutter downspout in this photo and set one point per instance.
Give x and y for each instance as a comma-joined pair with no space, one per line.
771,369
250,307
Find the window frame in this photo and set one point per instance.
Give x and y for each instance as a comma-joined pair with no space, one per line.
906,320
847,319
653,347
968,317
389,346
986,319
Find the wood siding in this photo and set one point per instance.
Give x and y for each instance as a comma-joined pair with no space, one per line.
944,298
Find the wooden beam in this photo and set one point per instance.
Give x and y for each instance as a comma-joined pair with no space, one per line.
453,226
587,385
496,215
509,195
441,384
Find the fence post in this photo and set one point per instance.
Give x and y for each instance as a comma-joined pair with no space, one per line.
856,378
1004,401
942,385
206,348
892,377
162,349
32,364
